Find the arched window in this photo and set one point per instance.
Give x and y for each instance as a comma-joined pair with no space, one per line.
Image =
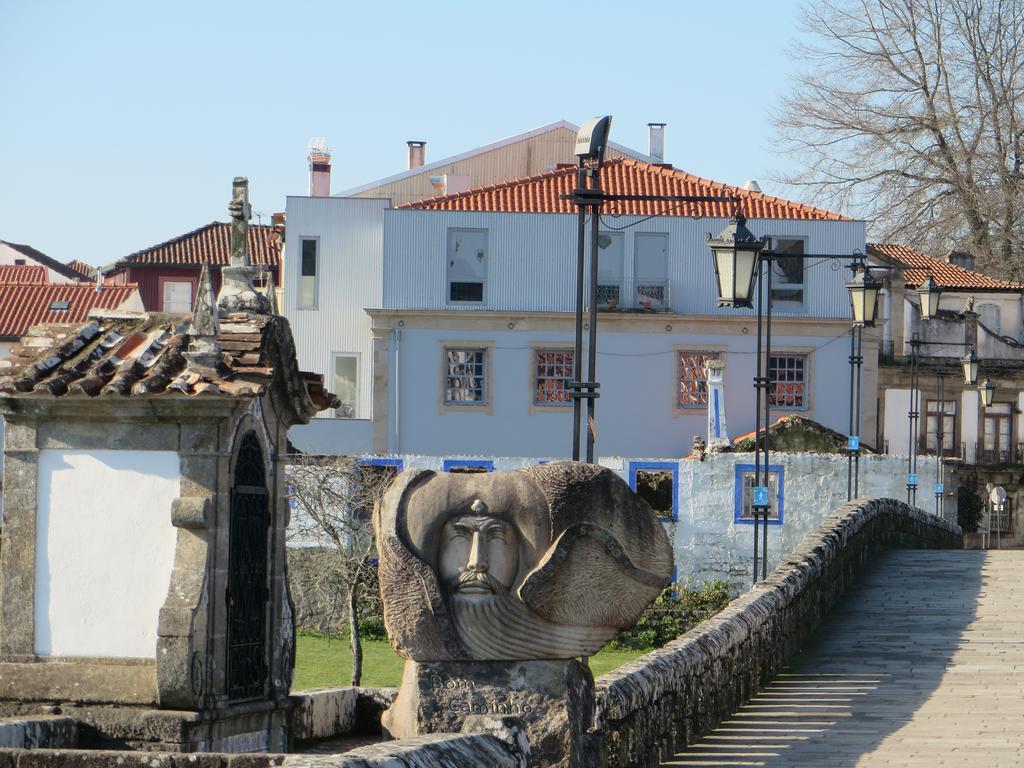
248,569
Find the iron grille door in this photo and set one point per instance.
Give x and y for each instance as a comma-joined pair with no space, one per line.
248,593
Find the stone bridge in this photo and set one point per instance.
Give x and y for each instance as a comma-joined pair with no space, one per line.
878,641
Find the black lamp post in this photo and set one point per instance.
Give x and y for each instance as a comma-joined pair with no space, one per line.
741,260
863,289
738,268
591,142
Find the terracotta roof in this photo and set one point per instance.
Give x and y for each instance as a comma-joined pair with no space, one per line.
39,257
542,194
143,356
85,270
23,274
209,245
919,265
22,306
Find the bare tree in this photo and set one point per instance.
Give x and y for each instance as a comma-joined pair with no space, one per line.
909,114
332,520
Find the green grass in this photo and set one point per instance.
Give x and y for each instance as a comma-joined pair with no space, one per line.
323,662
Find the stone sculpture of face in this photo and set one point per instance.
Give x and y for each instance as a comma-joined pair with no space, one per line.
478,554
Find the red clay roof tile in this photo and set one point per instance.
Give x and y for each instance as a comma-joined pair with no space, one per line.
919,265
22,306
23,274
622,176
210,245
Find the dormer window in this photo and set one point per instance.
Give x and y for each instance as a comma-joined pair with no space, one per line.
467,265
60,306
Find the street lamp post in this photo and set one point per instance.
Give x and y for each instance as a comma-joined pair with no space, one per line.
864,290
591,142
743,266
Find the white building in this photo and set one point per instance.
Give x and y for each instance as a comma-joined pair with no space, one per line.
446,326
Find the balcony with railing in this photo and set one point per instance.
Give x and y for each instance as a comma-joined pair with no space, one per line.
975,453
633,294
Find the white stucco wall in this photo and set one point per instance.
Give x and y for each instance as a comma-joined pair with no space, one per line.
707,542
104,550
710,545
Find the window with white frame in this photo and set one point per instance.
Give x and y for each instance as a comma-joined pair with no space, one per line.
650,265
611,259
467,265
788,376
788,288
176,295
553,370
693,378
745,498
465,378
346,385
309,267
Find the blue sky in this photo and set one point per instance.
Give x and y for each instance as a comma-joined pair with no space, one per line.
123,123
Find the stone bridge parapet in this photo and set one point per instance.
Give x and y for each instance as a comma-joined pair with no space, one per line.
659,703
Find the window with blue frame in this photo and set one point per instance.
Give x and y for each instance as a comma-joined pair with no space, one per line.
656,482
744,494
468,465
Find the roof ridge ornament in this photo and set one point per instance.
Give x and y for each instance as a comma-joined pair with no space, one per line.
237,293
204,351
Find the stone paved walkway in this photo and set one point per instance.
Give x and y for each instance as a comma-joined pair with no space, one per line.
921,665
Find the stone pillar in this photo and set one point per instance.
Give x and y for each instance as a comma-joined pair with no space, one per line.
718,436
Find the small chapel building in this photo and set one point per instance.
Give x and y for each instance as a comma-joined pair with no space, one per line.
142,568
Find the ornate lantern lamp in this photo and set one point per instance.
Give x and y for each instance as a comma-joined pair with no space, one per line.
988,391
928,294
864,289
736,251
970,364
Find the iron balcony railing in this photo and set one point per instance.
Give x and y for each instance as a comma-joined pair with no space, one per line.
973,453
634,294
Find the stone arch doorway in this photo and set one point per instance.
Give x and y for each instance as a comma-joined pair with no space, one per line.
248,562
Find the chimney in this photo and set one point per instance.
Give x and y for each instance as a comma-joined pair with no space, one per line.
319,168
417,153
752,186
656,147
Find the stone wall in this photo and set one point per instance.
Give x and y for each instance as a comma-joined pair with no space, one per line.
651,707
710,544
707,540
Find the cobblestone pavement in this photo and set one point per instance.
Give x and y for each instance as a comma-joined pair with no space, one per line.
922,664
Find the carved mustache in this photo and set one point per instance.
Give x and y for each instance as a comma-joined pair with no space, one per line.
479,577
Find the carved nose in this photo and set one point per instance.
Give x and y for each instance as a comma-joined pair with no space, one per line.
477,554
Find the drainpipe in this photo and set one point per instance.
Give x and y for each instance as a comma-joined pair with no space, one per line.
396,334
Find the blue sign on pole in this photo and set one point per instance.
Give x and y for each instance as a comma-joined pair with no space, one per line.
939,489
853,443
760,496
912,480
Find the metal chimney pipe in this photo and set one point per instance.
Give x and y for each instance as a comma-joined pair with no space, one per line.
656,146
417,153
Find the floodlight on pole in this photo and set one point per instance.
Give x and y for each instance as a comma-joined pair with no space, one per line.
592,139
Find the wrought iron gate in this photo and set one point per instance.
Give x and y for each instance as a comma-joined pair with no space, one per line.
248,560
